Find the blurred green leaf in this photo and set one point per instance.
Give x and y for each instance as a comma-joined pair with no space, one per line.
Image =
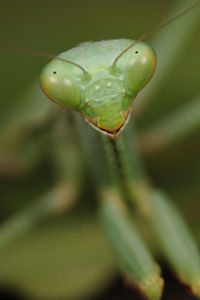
61,260
170,45
178,125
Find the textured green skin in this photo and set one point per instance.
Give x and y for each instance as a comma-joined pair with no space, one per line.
104,96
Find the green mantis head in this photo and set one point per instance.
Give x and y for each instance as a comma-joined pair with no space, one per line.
101,91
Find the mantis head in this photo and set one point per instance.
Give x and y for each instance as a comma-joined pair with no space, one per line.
101,79
104,93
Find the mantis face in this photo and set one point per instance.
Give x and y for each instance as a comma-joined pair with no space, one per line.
104,93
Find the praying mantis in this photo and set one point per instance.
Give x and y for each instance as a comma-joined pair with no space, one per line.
100,80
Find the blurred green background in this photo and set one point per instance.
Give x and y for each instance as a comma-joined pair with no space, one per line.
67,257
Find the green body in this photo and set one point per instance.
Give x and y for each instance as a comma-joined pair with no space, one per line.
103,94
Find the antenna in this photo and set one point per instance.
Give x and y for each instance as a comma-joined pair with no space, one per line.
156,28
42,54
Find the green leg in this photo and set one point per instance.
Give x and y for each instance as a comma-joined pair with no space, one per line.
131,253
175,240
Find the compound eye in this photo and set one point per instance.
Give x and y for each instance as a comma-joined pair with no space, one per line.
59,86
140,67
